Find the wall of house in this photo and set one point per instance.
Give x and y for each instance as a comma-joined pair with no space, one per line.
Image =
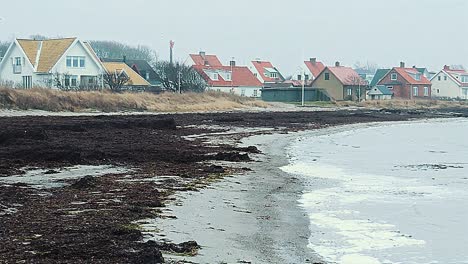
241,91
332,86
445,88
6,68
91,67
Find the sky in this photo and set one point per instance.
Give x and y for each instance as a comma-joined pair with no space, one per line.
426,33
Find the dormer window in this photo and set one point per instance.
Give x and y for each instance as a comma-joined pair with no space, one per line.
417,77
215,76
228,77
464,79
273,75
394,77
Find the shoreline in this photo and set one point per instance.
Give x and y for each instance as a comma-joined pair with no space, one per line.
260,205
169,156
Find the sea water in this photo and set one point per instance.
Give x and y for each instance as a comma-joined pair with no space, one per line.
386,193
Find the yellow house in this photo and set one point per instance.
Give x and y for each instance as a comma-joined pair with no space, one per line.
122,68
341,83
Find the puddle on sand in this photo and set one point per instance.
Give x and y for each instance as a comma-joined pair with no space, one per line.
45,178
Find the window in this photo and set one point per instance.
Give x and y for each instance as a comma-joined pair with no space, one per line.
426,91
255,93
415,91
71,81
242,92
394,77
299,77
349,91
464,79
445,78
255,74
27,82
439,78
228,77
75,62
147,75
17,62
417,77
306,77
390,87
327,76
438,90
273,75
215,76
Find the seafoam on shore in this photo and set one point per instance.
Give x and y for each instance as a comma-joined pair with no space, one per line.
391,193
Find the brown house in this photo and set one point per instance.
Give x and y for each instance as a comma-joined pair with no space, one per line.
407,83
341,83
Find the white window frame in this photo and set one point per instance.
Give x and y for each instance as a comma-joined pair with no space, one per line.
464,79
243,92
392,75
417,77
415,90
76,62
426,91
255,93
273,75
349,91
228,77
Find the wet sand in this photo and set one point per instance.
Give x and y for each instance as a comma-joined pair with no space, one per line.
250,218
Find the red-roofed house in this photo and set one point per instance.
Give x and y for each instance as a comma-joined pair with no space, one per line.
231,79
341,83
309,71
266,72
407,83
450,83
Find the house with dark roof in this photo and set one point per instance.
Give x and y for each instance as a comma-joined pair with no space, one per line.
379,74
450,83
341,83
55,63
142,67
265,72
230,79
379,92
407,83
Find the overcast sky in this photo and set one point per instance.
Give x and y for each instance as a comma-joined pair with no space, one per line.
427,33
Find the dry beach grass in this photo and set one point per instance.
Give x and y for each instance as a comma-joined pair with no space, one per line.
76,101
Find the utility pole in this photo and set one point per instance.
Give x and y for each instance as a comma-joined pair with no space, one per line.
303,87
179,74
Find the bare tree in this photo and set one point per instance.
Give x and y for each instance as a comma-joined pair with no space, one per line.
359,84
115,80
178,77
116,50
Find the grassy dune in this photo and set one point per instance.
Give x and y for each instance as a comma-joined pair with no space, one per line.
54,100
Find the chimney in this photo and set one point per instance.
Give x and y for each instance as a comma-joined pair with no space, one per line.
313,60
124,58
337,64
203,54
402,64
414,66
446,68
232,63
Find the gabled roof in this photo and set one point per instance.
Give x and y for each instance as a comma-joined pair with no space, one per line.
315,68
206,60
406,74
119,67
346,75
379,74
453,74
241,76
49,51
261,66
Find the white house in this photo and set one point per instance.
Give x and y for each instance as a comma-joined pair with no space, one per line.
379,92
450,83
230,79
308,71
64,62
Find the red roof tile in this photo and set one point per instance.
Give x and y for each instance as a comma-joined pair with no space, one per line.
260,67
347,76
315,68
406,74
211,60
241,76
